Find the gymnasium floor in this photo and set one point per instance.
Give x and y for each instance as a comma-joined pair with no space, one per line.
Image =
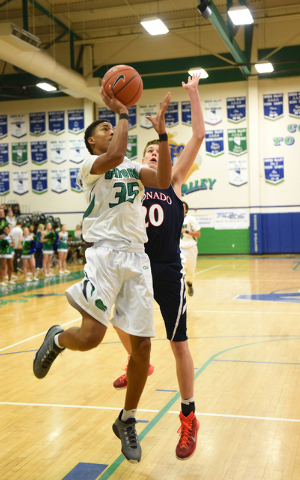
244,335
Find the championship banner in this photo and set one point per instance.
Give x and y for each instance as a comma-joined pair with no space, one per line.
18,126
273,106
39,181
76,121
238,171
148,111
237,141
4,183
37,123
294,105
214,142
236,109
73,179
131,151
3,126
274,170
77,150
56,122
3,154
107,115
171,115
20,182
236,219
59,179
132,117
39,152
186,113
213,111
58,151
19,153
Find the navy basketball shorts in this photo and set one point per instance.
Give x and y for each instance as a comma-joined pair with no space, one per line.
169,293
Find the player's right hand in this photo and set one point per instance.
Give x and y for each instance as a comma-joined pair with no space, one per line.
112,102
158,122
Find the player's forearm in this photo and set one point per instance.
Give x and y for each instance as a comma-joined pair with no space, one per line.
164,168
198,126
118,146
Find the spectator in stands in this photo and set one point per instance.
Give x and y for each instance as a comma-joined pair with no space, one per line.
16,210
10,218
78,234
31,229
17,233
39,249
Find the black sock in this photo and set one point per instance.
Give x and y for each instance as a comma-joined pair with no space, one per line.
187,409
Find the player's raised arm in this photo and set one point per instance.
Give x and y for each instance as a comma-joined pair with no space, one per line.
188,155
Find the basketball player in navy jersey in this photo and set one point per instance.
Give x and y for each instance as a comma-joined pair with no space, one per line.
164,218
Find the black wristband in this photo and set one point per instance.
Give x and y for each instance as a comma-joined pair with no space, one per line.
163,137
124,116
186,231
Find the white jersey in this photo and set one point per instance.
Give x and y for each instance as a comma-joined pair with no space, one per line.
191,224
114,200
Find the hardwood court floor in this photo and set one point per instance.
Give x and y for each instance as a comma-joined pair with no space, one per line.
247,389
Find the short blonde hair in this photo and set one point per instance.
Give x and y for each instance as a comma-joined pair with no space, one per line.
40,228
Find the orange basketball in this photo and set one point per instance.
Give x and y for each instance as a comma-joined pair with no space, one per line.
126,82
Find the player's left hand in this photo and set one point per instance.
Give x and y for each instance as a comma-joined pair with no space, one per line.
192,82
158,122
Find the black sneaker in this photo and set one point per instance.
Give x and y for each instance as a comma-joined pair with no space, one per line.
47,353
190,289
126,432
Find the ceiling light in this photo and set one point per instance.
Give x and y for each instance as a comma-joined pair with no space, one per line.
264,67
154,26
198,71
204,9
240,15
46,86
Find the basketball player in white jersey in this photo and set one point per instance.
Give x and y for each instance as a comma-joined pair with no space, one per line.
117,269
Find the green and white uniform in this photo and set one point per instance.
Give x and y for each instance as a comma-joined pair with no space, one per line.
25,246
10,252
47,249
63,243
117,269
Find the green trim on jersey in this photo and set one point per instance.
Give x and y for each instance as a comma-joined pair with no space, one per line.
90,208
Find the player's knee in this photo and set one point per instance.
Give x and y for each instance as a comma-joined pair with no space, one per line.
141,349
179,348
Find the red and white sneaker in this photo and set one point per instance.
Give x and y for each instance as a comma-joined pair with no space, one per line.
188,431
121,382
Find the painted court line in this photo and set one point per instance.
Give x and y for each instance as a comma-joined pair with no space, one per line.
216,266
71,406
245,416
254,361
244,311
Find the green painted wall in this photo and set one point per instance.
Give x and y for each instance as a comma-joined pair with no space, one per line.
221,241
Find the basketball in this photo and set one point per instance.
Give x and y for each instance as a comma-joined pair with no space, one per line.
126,82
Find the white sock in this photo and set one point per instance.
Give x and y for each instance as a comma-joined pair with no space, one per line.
187,401
56,341
128,414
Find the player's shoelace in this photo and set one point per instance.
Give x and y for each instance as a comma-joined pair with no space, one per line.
185,431
131,436
49,358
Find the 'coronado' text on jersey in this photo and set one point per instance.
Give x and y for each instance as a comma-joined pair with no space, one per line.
157,196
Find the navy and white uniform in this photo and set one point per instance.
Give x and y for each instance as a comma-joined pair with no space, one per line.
164,217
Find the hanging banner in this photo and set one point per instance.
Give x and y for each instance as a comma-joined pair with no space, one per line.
20,182
58,151
238,171
39,181
77,150
131,151
3,154
186,113
76,121
231,219
56,121
148,111
108,115
4,183
3,126
37,123
273,106
214,142
237,141
39,152
236,109
59,179
19,153
73,179
18,125
274,170
132,117
294,104
212,111
171,115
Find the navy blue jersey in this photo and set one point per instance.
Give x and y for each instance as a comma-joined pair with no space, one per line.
164,218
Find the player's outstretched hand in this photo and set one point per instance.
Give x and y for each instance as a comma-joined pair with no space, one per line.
158,122
192,82
111,102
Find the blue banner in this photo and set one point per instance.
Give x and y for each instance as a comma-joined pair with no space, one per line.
186,113
73,176
294,104
132,117
39,152
214,141
39,181
76,121
3,126
171,115
56,122
236,109
37,123
274,170
108,115
256,233
3,154
4,183
273,106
